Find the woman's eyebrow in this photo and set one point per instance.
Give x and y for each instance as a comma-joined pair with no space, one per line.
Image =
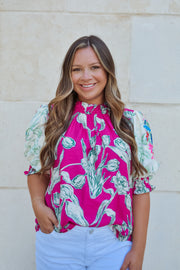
89,64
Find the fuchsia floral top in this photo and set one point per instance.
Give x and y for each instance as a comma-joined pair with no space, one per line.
90,182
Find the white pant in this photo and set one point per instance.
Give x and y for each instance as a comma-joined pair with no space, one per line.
79,249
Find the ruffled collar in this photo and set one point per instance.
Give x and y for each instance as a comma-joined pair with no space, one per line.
87,108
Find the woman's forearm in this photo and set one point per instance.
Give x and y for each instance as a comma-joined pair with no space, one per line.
141,207
37,185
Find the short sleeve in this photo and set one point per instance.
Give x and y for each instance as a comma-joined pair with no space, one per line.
143,137
34,139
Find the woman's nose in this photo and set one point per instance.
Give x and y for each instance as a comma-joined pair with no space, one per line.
86,75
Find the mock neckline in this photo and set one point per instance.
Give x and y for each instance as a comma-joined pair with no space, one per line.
88,108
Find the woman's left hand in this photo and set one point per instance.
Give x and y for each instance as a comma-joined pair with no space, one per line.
132,261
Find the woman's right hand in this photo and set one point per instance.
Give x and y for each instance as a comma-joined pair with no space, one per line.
37,184
45,216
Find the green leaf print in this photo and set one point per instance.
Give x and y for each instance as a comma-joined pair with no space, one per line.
61,156
98,149
110,213
82,119
75,212
96,186
124,226
66,177
92,157
118,228
67,192
129,114
56,198
128,201
100,167
58,211
92,141
140,187
83,147
110,191
95,178
99,121
68,142
86,106
78,181
84,164
72,208
129,226
28,133
106,140
119,143
112,165
37,132
120,183
120,153
101,209
121,229
103,110
144,139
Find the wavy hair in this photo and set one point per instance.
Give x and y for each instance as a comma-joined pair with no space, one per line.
61,107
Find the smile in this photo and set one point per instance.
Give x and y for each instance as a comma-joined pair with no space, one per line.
87,85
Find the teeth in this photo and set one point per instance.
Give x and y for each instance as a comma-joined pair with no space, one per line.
86,86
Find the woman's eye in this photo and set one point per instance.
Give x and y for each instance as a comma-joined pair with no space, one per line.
76,69
95,67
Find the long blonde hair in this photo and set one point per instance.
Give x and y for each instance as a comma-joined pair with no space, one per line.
61,107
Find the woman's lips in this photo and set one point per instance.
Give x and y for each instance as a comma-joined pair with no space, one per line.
88,86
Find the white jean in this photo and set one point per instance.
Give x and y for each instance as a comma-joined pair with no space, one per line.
79,249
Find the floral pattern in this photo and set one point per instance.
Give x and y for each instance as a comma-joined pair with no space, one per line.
90,182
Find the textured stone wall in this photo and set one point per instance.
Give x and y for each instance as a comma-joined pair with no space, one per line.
144,38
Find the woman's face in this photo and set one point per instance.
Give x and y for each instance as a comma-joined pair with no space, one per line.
88,76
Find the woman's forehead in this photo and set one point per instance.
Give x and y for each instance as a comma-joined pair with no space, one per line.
85,56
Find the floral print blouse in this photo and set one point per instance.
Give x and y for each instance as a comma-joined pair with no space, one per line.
90,182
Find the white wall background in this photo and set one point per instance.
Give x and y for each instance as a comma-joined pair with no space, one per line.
144,38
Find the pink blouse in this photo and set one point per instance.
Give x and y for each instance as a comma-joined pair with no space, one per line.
90,182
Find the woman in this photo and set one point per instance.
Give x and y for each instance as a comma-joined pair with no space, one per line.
91,161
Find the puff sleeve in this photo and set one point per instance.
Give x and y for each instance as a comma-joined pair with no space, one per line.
34,139
143,137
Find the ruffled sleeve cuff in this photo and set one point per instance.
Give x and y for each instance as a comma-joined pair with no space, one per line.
143,137
34,139
30,171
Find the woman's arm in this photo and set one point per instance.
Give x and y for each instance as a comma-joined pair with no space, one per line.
141,207
37,185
